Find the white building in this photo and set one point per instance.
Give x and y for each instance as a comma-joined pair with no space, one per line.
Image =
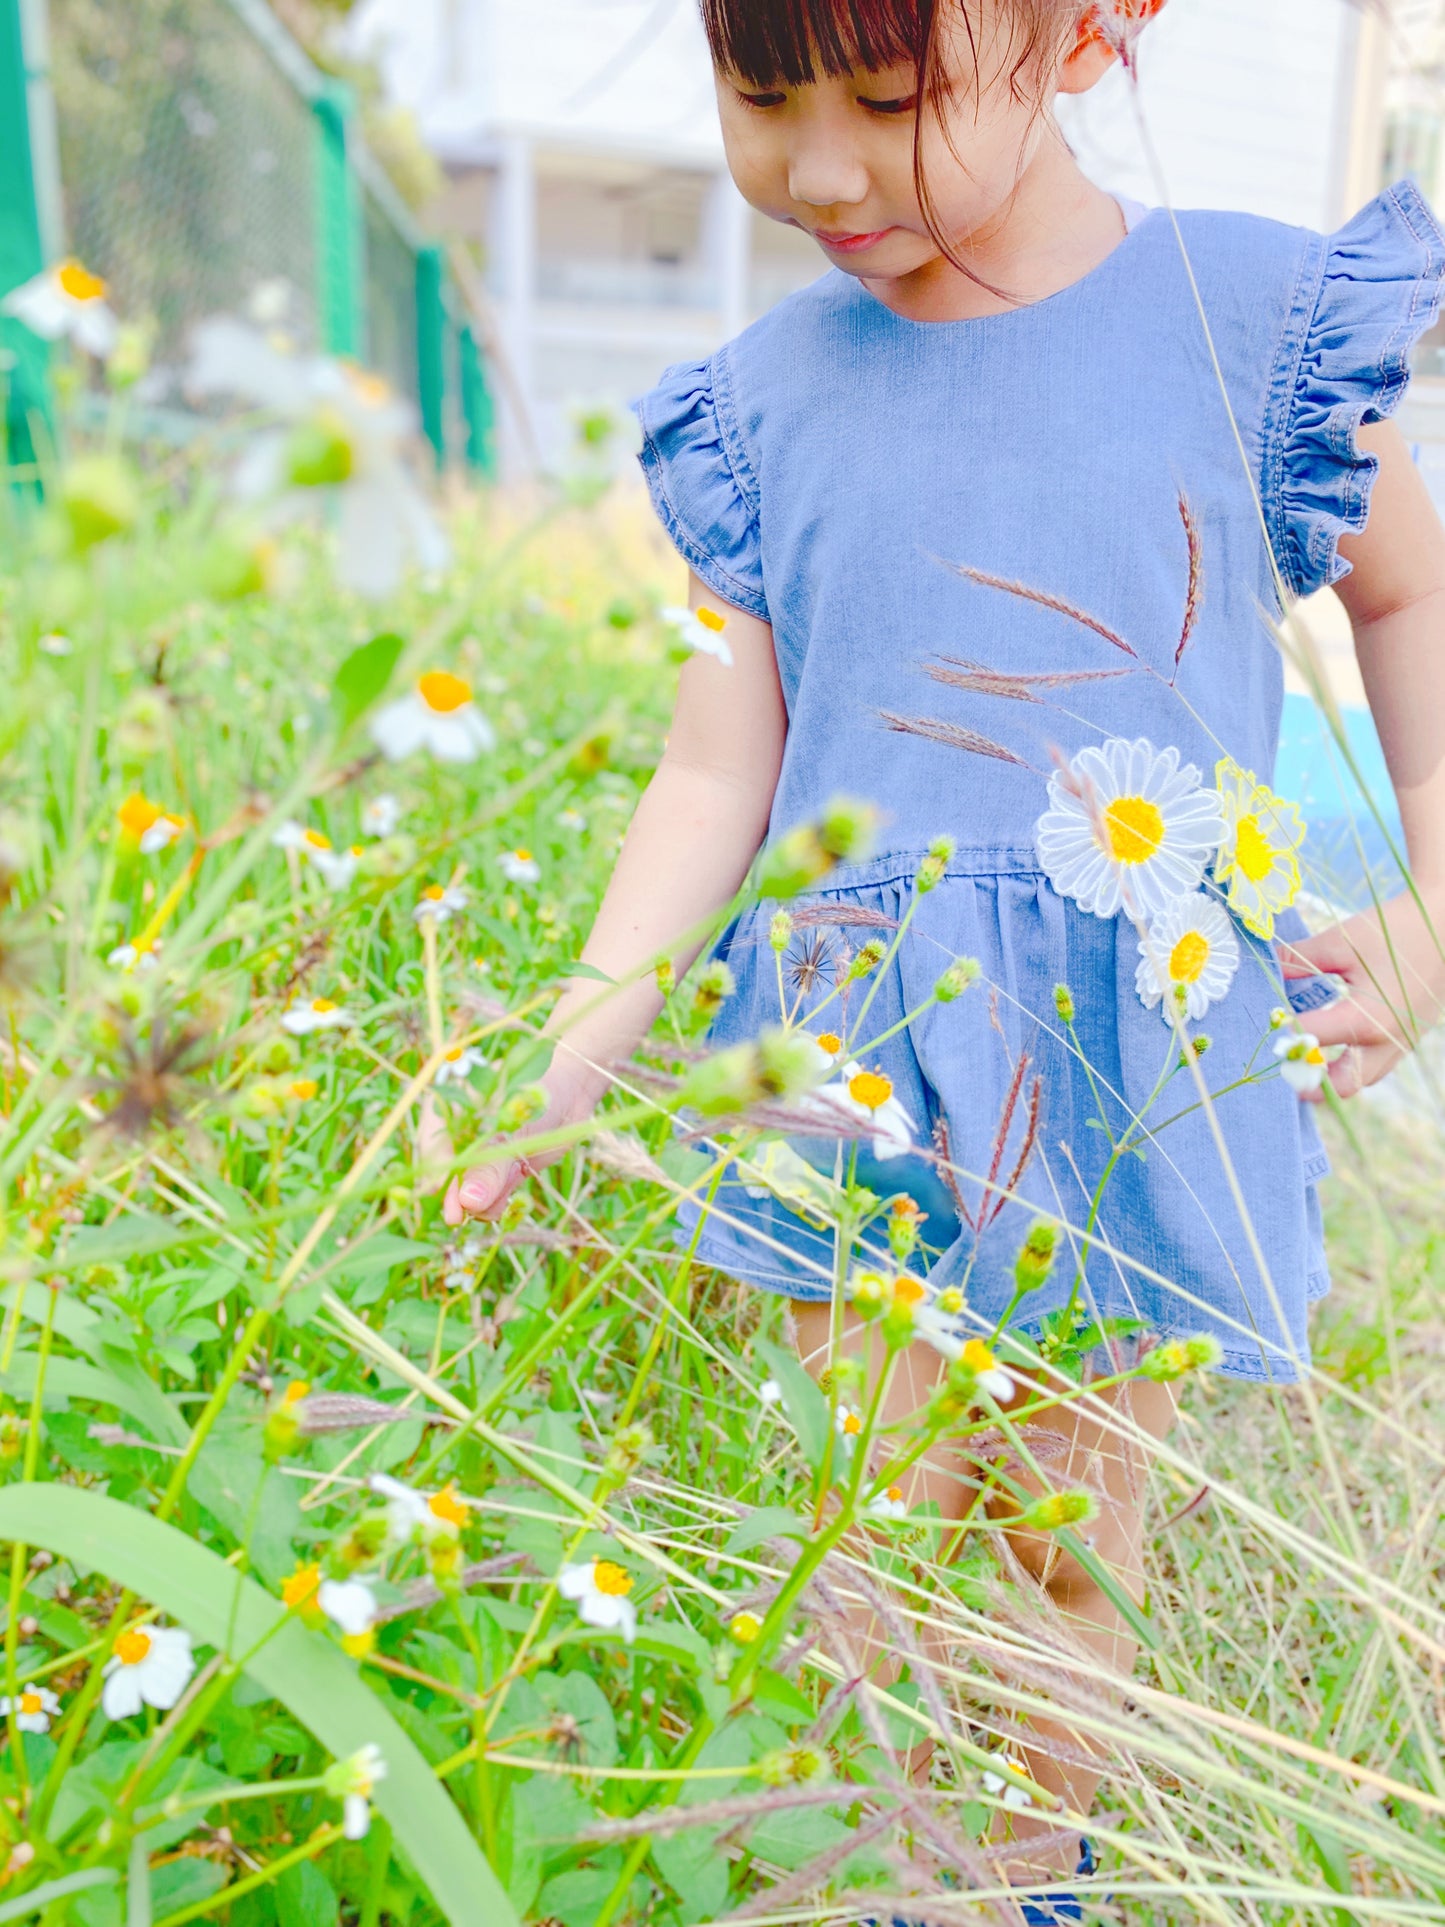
581,141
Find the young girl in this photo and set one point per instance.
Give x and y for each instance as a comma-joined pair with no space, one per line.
992,521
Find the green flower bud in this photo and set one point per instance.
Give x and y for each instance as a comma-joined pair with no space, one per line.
235,567
714,986
959,976
522,1107
1036,1256
804,856
1176,1357
1058,1509
99,499
1064,1003
666,977
780,931
930,871
798,1765
777,1064
319,453
870,1293
868,958
904,1222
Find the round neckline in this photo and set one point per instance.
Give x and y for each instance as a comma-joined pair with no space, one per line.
1086,280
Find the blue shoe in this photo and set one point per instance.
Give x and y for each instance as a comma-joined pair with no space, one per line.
1058,1910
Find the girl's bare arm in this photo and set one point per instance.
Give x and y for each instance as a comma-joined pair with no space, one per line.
1394,968
696,830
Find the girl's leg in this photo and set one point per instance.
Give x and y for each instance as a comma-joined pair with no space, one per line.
1102,1450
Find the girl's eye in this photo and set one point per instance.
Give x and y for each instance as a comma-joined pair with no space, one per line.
760,100
890,106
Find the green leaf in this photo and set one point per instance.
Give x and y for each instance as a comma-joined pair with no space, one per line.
71,1883
768,1522
580,969
778,1696
696,1872
300,1668
1108,1583
802,1400
363,677
306,1898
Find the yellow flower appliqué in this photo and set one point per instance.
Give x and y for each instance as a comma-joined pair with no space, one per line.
1257,865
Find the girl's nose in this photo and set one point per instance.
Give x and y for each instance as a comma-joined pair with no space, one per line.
826,173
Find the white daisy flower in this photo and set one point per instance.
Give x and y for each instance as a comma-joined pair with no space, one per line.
701,630
600,1589
438,904
1190,950
888,1505
572,820
147,825
340,432
1302,1062
131,956
55,645
1128,828
352,1781
438,716
980,1368
770,1392
33,1706
411,1514
1010,1781
850,1426
320,1014
338,867
350,1605
66,302
869,1094
151,1666
380,815
519,866
458,1064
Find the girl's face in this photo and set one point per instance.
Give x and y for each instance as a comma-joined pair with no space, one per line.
836,157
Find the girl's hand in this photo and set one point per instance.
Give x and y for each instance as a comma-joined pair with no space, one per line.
1393,966
483,1191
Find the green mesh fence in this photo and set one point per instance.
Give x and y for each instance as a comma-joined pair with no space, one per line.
203,158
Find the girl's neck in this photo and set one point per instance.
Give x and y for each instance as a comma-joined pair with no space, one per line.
1055,228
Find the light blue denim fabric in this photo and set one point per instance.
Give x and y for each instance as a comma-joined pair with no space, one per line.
822,471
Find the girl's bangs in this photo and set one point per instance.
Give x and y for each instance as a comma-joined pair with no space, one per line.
791,43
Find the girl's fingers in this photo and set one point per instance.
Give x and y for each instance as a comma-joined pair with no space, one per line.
482,1189
1347,1022
1330,954
1360,1066
452,1212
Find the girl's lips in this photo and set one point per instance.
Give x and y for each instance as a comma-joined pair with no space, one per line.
850,243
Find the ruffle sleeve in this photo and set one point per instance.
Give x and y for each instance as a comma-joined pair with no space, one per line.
701,482
1378,291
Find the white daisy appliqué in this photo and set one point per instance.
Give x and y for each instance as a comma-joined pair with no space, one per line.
1128,828
1187,958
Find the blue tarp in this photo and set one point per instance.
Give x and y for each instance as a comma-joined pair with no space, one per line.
1343,837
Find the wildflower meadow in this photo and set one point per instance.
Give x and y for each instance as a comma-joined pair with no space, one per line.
361,1569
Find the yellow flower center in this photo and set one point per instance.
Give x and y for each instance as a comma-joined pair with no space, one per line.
367,387
137,814
446,1506
950,1299
79,283
321,1005
907,1291
1314,1055
522,856
304,1089
745,1628
358,1645
977,1356
131,1648
31,1703
710,619
1134,828
1188,958
1252,852
895,1494
302,1587
852,1425
434,892
611,1579
830,1042
443,692
317,840
295,1391
454,1055
870,1089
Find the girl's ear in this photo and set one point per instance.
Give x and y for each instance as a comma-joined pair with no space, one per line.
1106,33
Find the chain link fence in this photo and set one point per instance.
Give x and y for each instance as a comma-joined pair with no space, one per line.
204,162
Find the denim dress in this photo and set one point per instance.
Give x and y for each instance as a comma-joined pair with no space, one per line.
984,546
